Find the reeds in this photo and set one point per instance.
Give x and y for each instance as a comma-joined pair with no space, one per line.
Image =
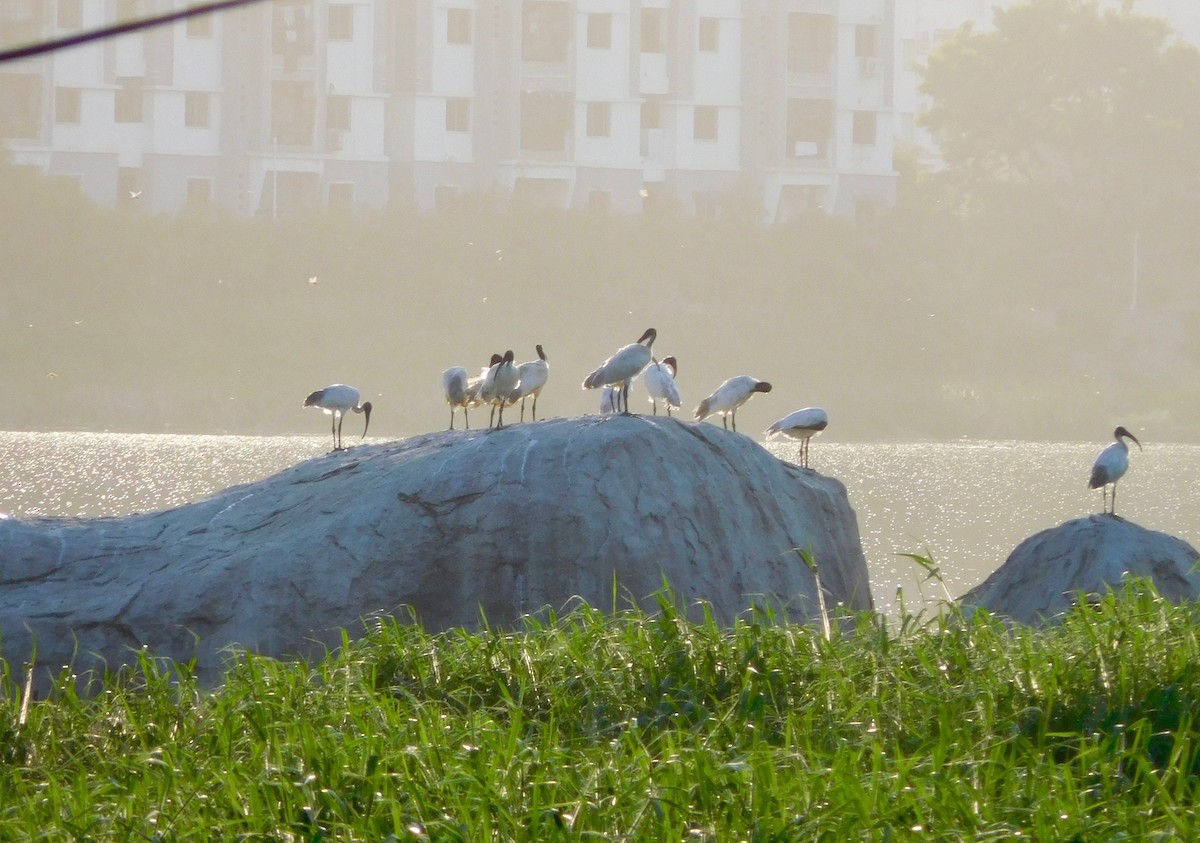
637,727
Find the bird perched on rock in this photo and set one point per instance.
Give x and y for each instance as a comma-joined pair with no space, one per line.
620,369
499,382
533,376
337,400
802,425
1111,466
660,383
456,383
728,397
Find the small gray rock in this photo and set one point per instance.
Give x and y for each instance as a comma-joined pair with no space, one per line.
1047,572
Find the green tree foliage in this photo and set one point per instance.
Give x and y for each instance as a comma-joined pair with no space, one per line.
1074,110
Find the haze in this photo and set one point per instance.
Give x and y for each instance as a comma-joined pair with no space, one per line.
921,318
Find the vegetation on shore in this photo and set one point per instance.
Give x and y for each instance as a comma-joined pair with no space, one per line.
638,727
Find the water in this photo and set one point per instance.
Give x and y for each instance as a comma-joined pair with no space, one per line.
95,474
966,505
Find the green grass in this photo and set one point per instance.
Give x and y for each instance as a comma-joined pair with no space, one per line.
638,727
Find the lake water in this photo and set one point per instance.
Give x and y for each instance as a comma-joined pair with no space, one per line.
965,504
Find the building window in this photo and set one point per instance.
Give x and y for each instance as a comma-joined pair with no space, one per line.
22,21
199,193
652,113
545,120
70,14
599,31
293,113
337,112
200,26
67,105
864,128
709,30
127,106
20,105
341,195
458,26
128,10
292,33
545,31
458,114
811,41
809,128
341,23
866,41
599,119
705,123
195,109
654,30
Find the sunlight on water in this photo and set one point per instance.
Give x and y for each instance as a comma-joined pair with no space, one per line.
95,474
967,505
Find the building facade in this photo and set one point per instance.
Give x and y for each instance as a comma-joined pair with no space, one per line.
780,107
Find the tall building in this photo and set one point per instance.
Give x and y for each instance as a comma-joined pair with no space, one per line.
781,106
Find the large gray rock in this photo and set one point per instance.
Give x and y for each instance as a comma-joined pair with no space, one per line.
1046,574
450,524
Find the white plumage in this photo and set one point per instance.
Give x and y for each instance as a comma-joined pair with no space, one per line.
456,383
620,369
728,397
499,382
1111,466
802,425
337,400
533,376
660,384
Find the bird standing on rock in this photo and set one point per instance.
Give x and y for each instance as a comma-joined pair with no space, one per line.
803,425
456,384
620,369
728,397
1111,466
660,383
533,376
337,400
499,383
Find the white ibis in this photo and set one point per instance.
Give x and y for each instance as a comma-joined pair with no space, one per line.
1111,465
620,369
533,377
471,394
456,383
337,400
660,384
803,425
499,382
728,397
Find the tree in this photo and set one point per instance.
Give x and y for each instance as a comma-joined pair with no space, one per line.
1072,112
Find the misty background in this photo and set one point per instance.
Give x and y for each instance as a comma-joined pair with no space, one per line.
1038,283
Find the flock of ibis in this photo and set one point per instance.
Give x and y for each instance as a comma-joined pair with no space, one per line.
504,382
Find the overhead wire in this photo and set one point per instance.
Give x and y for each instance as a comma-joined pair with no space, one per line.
38,48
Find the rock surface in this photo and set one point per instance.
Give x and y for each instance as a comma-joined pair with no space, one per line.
450,524
1045,575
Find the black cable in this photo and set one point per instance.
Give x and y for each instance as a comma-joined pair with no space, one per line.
38,48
